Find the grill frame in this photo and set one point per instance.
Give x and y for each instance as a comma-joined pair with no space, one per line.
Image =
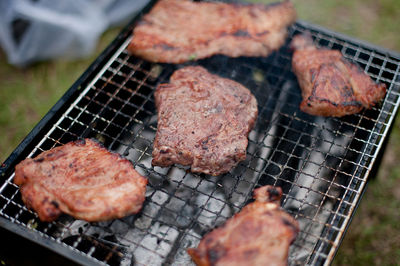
100,66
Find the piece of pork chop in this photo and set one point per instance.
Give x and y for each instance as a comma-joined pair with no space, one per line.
203,121
176,31
331,85
260,234
82,179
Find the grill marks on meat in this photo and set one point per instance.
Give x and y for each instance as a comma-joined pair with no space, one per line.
176,31
331,86
81,179
203,121
260,234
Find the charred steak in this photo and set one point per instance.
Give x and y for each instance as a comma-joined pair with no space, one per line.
260,234
176,31
203,121
81,179
331,85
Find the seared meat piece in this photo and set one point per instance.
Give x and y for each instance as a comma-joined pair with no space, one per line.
176,31
331,86
260,234
203,121
81,179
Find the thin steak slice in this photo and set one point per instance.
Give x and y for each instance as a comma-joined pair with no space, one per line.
260,234
81,179
331,85
176,31
203,121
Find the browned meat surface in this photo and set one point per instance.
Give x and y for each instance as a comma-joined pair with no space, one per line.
177,31
331,86
260,234
81,179
203,121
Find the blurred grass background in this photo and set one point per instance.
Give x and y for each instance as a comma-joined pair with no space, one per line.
374,235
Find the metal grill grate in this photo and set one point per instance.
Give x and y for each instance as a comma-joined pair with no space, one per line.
322,164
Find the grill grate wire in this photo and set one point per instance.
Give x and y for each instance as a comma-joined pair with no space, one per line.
322,164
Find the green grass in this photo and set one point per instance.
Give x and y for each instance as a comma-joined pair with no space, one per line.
26,95
374,235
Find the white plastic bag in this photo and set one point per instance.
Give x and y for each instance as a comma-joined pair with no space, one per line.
35,30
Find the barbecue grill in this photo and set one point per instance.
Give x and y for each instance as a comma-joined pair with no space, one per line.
322,164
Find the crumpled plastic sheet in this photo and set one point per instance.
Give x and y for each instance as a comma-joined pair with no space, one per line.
37,30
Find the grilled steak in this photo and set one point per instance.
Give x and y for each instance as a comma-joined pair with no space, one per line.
176,31
260,234
81,179
331,86
203,121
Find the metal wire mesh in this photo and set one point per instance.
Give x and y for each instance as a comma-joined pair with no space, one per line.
322,164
